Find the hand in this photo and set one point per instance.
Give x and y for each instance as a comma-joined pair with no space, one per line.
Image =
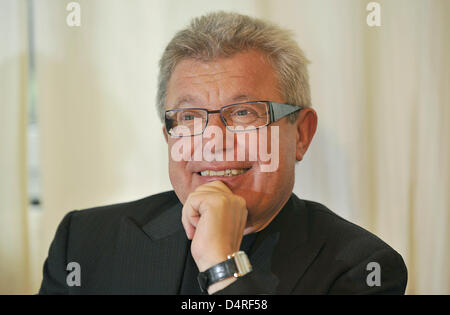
214,219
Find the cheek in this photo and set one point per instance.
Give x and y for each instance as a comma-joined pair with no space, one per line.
280,144
179,176
287,141
180,181
283,177
288,153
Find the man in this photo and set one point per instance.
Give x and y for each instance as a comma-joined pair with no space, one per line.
232,224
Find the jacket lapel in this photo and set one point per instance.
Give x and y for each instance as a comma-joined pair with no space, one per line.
150,258
283,250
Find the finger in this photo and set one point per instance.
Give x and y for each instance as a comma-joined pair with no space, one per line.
188,227
215,186
196,204
189,217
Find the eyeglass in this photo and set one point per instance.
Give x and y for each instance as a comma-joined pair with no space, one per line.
187,122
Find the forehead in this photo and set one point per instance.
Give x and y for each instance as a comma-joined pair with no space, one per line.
242,77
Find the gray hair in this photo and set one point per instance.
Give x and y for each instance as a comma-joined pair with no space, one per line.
223,34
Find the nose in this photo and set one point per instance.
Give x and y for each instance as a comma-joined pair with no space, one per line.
223,140
214,119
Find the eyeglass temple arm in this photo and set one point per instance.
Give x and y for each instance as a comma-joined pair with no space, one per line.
281,110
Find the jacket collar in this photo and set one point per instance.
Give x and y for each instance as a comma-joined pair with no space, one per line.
150,258
285,248
166,224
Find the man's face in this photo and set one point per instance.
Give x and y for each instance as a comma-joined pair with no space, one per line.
211,85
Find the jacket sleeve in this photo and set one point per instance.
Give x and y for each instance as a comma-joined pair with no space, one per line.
383,272
54,273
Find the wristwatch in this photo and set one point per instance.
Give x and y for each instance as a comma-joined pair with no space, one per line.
237,265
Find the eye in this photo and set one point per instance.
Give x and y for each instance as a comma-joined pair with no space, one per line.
188,116
242,112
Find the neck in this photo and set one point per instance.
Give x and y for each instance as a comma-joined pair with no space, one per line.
259,226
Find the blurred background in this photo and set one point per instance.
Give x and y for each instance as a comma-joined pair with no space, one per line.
78,123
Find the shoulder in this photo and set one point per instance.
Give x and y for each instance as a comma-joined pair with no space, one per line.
349,251
339,232
90,237
347,243
140,211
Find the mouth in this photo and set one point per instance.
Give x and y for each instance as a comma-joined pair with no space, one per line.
223,173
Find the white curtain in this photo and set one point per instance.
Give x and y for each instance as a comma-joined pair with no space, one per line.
380,157
14,246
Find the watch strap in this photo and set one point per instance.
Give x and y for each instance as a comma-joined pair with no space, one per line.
216,273
226,269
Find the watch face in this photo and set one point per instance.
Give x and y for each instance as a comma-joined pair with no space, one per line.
242,263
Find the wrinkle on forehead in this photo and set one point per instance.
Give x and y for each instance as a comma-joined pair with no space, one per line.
218,66
201,75
242,77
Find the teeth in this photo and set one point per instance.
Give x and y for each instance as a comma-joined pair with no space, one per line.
229,172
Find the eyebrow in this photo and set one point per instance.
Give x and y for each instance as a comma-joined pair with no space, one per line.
186,99
241,98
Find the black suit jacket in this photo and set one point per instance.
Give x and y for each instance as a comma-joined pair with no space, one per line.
140,248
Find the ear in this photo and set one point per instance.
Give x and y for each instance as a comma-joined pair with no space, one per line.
306,128
165,133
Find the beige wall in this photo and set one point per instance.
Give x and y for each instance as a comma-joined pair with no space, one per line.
14,249
380,157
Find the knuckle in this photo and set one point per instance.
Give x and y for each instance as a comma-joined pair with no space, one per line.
241,201
222,199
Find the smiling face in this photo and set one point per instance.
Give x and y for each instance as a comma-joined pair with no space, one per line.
246,76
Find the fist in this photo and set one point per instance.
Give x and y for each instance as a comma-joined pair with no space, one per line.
214,219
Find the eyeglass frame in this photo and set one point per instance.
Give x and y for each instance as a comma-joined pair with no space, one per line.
276,112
